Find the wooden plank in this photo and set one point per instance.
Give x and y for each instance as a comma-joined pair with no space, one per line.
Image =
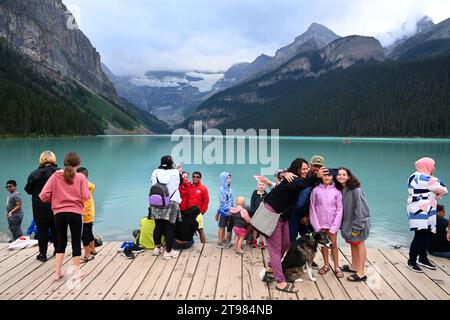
212,274
189,273
441,263
329,286
438,276
275,294
127,285
377,284
253,287
29,273
8,254
173,284
152,277
16,263
163,279
98,287
420,281
199,279
36,289
33,279
229,282
392,276
58,290
3,246
356,290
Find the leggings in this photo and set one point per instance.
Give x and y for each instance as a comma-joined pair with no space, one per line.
75,223
43,231
88,236
419,246
164,227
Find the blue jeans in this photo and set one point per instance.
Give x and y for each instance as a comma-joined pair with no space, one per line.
14,225
179,246
441,254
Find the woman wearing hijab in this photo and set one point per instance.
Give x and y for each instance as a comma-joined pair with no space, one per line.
424,189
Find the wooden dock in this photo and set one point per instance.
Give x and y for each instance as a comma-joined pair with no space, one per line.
207,273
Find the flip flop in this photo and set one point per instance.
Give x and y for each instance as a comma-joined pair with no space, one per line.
346,268
289,288
355,278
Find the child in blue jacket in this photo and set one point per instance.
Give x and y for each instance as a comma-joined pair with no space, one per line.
223,214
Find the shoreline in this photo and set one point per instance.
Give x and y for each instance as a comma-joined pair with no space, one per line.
285,138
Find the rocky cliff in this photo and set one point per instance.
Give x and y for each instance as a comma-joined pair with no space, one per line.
46,32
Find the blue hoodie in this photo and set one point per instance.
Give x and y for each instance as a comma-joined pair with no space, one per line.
225,196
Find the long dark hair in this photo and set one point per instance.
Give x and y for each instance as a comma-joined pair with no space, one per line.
71,160
296,165
352,182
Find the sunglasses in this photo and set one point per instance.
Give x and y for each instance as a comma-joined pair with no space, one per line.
196,177
7,187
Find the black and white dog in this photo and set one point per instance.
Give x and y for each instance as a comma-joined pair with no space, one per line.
300,256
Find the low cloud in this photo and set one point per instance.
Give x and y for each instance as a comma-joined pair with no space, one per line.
140,35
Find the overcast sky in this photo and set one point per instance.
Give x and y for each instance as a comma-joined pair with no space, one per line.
135,36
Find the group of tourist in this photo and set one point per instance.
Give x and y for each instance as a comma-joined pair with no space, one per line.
61,198
306,197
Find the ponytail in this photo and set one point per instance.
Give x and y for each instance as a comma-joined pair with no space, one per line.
71,160
69,174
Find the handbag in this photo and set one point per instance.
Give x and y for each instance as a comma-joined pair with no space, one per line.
264,221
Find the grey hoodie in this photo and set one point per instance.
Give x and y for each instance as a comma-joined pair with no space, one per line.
356,215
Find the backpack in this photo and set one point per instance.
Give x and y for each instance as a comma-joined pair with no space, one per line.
159,195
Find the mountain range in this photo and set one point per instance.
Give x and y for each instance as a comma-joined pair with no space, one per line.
349,88
320,84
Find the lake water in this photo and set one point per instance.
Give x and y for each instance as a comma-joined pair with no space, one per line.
121,167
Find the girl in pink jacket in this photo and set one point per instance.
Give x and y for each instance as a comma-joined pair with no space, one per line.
241,220
325,215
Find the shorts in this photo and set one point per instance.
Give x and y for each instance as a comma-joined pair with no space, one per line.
240,232
354,243
200,221
227,222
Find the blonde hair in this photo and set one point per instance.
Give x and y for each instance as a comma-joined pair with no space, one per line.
47,158
240,201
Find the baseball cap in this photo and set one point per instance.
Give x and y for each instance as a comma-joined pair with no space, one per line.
318,160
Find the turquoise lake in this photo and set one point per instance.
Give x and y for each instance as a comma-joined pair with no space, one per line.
121,166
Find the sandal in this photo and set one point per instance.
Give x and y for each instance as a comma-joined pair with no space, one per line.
324,270
289,288
355,278
338,272
86,259
346,268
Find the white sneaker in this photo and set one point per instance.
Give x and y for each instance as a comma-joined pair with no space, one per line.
174,253
167,256
156,251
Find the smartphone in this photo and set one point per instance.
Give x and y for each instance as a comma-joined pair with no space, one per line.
257,178
333,171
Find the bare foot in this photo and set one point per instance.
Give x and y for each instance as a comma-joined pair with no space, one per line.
240,251
59,275
78,274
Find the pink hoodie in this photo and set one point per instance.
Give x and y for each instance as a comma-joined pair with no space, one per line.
66,197
244,213
325,211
